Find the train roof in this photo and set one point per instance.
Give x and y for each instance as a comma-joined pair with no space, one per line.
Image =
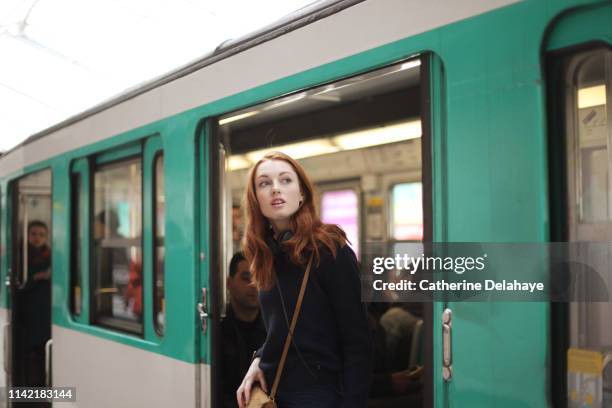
431,15
312,12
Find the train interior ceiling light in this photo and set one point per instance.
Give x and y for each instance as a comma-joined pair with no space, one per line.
351,90
348,141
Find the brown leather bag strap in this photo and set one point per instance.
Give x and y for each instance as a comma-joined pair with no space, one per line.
296,313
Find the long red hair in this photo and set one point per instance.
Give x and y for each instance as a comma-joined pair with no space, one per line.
309,233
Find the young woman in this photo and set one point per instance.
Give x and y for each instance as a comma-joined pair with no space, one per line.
329,361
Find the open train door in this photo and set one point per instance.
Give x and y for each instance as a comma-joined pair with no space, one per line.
27,333
526,354
488,353
213,217
579,95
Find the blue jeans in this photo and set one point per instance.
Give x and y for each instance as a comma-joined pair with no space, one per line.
319,397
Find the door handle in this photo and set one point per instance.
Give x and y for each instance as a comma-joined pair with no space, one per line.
6,346
202,309
48,361
447,349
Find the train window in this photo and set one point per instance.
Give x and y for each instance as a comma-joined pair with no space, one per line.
588,131
407,212
406,215
588,138
117,275
76,300
591,139
159,212
341,207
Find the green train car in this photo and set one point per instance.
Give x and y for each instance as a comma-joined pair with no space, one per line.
442,121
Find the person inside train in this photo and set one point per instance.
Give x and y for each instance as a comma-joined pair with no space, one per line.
39,253
35,296
242,329
106,225
329,361
394,383
133,293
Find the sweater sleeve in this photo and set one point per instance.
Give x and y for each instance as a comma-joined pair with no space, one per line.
351,318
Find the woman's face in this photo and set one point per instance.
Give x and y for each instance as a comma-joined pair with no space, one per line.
278,192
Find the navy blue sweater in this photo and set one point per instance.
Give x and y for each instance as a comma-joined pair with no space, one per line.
331,334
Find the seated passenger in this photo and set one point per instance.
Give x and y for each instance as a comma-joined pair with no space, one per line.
398,323
393,385
242,329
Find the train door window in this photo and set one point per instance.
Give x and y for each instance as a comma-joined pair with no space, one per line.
341,207
31,277
159,212
76,300
352,137
79,244
117,250
590,168
588,132
590,139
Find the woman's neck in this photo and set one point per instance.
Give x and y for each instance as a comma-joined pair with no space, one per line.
278,227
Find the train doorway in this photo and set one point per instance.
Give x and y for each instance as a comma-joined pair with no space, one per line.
362,141
581,208
30,281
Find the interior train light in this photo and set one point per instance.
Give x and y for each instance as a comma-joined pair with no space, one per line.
234,118
355,140
300,150
378,136
591,96
238,162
